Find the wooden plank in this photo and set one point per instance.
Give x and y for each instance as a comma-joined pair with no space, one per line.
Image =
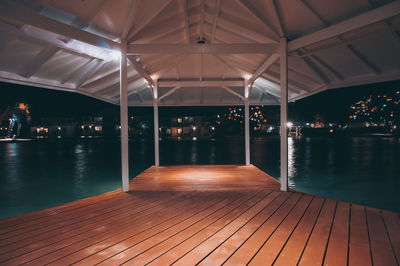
114,248
336,253
268,205
252,235
315,249
271,248
359,249
137,249
138,227
381,248
206,214
178,251
195,228
59,217
392,222
293,248
70,224
56,210
96,227
201,177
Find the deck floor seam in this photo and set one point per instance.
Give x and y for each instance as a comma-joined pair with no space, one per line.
196,222
103,239
191,236
246,224
206,203
312,230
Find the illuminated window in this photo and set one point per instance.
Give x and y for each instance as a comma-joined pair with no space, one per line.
179,130
179,121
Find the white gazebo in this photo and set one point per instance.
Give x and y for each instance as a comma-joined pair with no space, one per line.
199,52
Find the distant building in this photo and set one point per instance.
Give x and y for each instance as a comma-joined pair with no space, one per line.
187,127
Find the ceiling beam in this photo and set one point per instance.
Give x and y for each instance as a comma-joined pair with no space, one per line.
367,18
139,68
364,59
259,15
233,24
261,69
233,92
40,40
157,8
370,35
214,26
30,68
204,83
18,13
331,69
320,74
168,93
184,4
130,15
238,48
202,7
276,17
115,87
77,71
89,73
350,47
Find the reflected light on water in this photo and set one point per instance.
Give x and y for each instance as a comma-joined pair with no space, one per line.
79,166
291,162
194,153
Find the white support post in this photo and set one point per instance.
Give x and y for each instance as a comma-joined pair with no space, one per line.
284,105
156,130
247,122
124,117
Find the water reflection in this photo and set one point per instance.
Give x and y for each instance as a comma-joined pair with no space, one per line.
291,162
362,170
80,161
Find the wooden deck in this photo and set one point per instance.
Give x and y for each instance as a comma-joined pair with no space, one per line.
186,215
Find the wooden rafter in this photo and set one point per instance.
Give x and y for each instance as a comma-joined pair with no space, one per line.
233,48
247,4
157,8
184,4
367,18
350,47
276,17
214,26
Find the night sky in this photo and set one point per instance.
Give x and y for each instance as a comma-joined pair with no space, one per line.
333,105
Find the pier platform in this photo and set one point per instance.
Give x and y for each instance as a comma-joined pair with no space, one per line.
208,215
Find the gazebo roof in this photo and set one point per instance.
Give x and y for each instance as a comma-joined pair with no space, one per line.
198,52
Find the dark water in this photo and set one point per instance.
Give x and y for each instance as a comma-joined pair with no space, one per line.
39,174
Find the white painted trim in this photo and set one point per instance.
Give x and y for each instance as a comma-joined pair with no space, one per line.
367,18
284,106
234,93
156,130
18,13
247,124
233,48
264,66
204,83
124,118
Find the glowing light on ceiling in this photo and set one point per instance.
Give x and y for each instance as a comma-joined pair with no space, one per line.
98,52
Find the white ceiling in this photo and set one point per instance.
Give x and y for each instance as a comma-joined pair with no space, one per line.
58,44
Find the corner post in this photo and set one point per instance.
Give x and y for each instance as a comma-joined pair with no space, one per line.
124,117
284,106
156,130
247,122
